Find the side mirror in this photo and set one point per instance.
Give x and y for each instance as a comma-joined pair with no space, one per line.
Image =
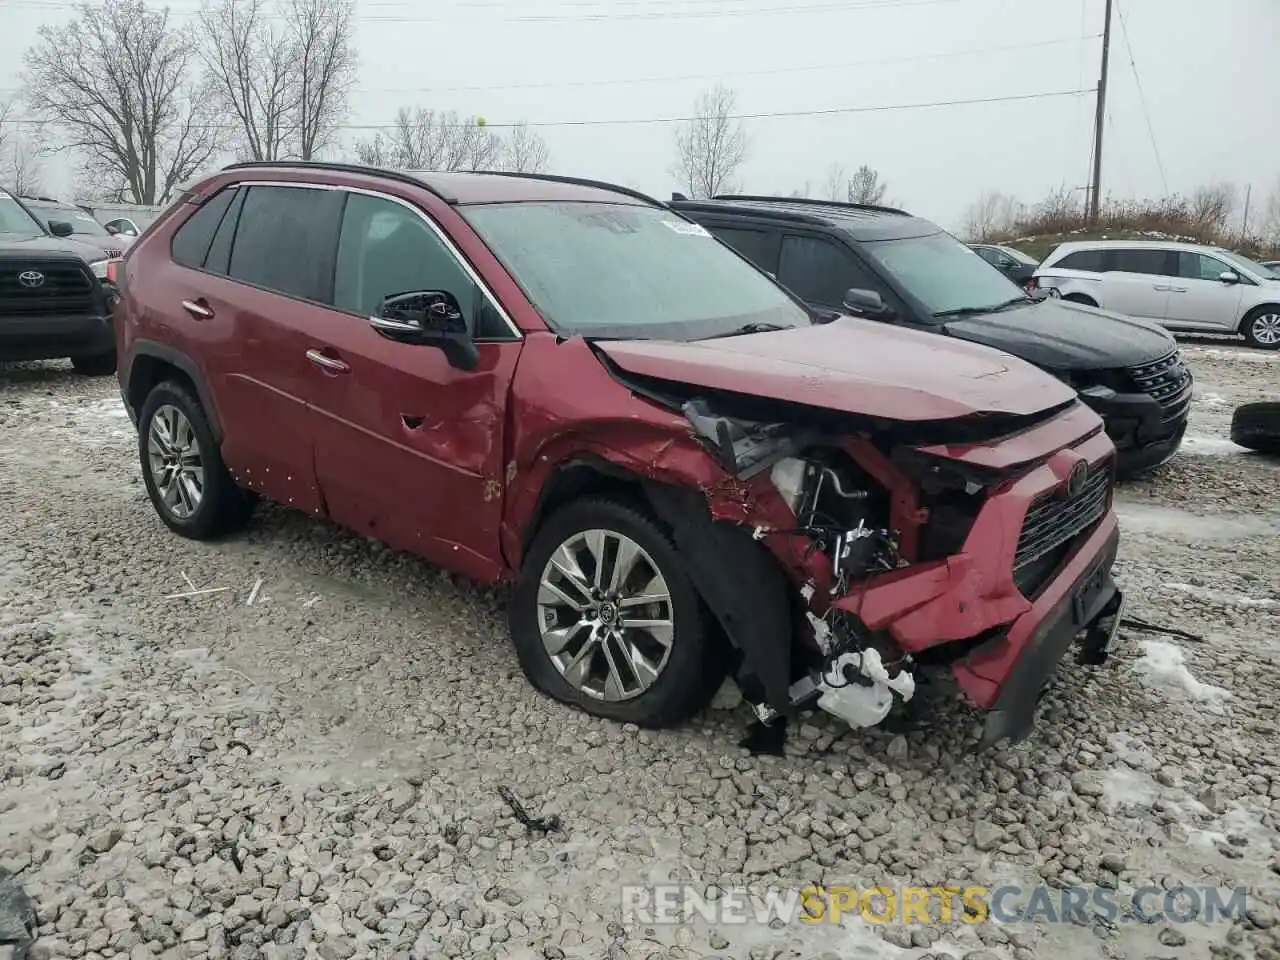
867,303
60,228
1229,276
111,229
428,318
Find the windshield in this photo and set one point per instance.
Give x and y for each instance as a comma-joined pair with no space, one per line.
14,219
627,271
1247,264
942,273
81,222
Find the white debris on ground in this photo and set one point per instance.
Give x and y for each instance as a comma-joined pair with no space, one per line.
317,775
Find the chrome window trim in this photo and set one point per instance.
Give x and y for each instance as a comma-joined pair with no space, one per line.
444,238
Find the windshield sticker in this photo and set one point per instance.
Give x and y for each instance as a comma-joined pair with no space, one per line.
687,229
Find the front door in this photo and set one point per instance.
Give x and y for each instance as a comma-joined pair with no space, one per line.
1199,299
409,449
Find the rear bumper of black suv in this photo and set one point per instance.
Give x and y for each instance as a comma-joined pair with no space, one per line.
55,337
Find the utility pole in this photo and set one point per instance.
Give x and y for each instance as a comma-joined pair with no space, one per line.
1095,191
1244,222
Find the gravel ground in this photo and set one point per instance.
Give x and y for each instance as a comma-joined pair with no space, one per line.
315,773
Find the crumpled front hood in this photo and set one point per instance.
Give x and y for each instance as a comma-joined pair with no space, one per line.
855,366
1061,335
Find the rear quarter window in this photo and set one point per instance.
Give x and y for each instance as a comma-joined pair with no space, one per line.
190,244
1088,261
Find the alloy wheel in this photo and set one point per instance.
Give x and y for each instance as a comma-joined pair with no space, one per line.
177,467
605,615
1266,329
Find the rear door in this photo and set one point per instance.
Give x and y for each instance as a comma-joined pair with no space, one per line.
1137,281
1198,299
268,270
409,449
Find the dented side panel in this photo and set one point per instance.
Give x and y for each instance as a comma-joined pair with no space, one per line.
409,449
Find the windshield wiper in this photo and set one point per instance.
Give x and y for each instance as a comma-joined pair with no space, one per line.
751,328
993,308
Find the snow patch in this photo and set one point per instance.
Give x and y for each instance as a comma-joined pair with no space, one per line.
1212,399
1123,787
1240,354
1164,666
1221,596
1209,447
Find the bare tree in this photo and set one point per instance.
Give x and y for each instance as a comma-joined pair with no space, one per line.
1211,207
115,85
20,167
252,65
837,184
712,146
322,32
8,129
424,139
1271,217
865,186
525,151
991,215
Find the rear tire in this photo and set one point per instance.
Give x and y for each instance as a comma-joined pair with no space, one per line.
1256,426
1261,328
182,467
586,657
95,365
1080,298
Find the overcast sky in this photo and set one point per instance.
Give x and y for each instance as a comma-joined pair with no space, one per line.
1209,71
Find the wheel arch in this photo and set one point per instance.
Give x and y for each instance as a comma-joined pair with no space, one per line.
1266,305
741,581
150,363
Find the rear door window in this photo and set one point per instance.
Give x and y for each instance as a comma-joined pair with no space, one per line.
285,240
1160,263
190,244
758,246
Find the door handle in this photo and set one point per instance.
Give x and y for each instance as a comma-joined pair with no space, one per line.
1165,288
327,363
1179,289
198,309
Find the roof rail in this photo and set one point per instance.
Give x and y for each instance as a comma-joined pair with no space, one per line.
359,168
819,203
577,181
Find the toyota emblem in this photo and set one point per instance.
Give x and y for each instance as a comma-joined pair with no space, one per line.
1076,478
31,278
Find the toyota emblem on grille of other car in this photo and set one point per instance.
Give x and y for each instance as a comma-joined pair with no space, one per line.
31,278
1076,478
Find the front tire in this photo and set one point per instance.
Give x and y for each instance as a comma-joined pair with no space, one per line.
182,467
95,365
605,618
1261,328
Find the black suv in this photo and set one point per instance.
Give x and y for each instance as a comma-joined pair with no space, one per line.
54,301
885,264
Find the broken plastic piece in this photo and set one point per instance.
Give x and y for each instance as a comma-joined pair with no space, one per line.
859,704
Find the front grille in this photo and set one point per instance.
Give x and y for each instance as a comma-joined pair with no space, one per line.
1169,382
1051,525
66,287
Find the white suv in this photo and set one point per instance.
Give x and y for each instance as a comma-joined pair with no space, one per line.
1183,286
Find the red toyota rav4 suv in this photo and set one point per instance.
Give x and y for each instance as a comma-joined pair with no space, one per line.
684,470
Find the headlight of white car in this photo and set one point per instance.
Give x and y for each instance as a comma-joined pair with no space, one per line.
99,268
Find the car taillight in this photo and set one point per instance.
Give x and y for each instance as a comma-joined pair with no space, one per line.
113,272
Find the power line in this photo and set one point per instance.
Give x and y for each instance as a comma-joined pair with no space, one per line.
676,78
691,14
1142,97
826,112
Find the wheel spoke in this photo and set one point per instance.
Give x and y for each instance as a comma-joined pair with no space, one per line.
597,541
661,630
558,639
576,671
564,561
550,594
644,670
624,562
655,591
614,684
